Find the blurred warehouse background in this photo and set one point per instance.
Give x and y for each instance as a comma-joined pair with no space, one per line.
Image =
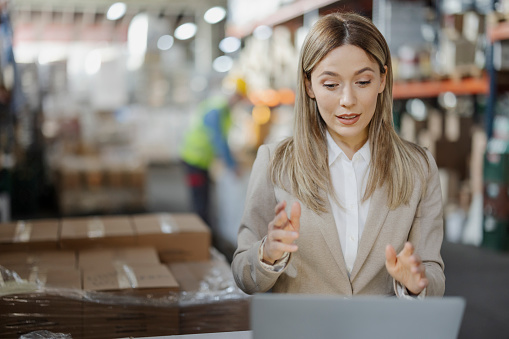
96,97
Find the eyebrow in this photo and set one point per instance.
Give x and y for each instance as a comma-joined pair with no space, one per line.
334,74
364,70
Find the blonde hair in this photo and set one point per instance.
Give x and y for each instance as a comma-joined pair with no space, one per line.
303,158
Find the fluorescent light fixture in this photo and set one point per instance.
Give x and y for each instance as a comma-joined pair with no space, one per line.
262,32
137,36
165,42
229,44
186,31
214,15
116,11
222,64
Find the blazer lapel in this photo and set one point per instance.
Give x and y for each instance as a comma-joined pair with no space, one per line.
377,214
329,231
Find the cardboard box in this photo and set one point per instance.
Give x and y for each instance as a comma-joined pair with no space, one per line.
29,235
133,280
210,301
60,259
55,306
37,311
70,179
114,257
177,237
137,301
93,232
50,277
115,176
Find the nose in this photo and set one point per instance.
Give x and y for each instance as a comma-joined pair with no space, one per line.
347,98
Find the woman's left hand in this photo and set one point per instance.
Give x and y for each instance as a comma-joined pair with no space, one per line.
407,268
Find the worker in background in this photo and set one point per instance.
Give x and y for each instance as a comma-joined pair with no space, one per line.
206,140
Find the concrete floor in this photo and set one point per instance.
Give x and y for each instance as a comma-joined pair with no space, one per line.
481,276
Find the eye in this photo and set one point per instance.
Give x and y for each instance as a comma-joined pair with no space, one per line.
364,83
329,86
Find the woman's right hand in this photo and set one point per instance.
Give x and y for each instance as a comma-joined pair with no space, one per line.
282,232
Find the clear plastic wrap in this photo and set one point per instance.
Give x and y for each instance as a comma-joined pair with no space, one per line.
45,335
28,306
208,301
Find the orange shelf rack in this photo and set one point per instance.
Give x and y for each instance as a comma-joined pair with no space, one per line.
433,88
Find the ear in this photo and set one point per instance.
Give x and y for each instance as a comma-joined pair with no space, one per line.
382,80
309,88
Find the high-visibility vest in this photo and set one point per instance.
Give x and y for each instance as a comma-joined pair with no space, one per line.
198,147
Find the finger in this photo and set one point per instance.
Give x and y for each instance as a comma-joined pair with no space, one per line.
282,235
295,216
412,261
423,283
390,256
408,250
415,259
417,269
280,206
282,247
281,220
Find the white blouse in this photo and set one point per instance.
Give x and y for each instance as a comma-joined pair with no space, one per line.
349,179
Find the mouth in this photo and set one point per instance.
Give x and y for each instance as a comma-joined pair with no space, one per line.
348,119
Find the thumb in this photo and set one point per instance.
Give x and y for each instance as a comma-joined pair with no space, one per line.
295,216
390,256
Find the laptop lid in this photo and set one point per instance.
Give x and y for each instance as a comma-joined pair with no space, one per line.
294,316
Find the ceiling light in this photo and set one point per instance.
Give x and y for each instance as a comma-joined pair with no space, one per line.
229,44
214,15
222,64
165,42
186,31
116,11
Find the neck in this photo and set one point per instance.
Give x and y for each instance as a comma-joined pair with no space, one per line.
351,146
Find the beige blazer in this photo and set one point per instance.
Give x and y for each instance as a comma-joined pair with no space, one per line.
318,266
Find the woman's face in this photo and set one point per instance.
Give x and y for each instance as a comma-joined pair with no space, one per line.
345,84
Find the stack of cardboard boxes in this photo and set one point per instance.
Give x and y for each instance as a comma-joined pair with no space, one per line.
89,184
25,308
30,235
209,301
107,277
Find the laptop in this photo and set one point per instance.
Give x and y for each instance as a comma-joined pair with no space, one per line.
296,316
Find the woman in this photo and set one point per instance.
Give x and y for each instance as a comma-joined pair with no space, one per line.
358,193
